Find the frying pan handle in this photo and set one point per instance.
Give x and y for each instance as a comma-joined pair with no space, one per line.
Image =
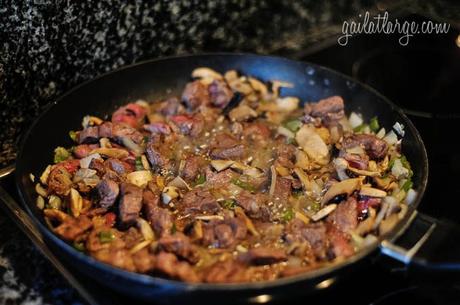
428,244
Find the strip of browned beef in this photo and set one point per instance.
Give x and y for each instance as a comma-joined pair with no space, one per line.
130,203
159,218
107,191
263,256
376,148
330,109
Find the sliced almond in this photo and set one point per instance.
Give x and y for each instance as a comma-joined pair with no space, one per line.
372,192
204,72
145,229
76,202
220,165
363,172
258,86
209,217
116,153
45,174
239,211
140,246
139,178
347,186
324,212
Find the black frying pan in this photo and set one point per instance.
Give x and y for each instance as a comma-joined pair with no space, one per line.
157,79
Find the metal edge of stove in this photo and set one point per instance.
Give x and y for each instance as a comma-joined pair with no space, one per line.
25,223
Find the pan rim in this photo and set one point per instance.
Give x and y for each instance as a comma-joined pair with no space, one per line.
319,273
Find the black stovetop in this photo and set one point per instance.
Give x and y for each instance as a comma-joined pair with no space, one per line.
422,79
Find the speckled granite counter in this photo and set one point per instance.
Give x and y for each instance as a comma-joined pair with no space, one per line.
49,46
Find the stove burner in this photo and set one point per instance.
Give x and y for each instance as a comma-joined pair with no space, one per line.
421,296
423,81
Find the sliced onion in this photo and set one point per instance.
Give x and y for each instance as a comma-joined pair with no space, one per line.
355,120
85,162
391,138
398,170
285,132
399,128
129,144
84,173
411,195
381,133
310,142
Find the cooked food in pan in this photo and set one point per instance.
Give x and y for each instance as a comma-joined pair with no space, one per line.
230,182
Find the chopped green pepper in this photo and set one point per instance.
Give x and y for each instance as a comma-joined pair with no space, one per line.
244,185
61,154
200,179
407,185
391,163
315,206
80,246
293,125
229,204
106,237
173,229
288,215
359,128
374,124
138,164
291,141
406,164
73,135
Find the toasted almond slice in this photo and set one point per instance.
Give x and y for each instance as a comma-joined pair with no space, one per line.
145,228
40,190
209,217
347,186
76,202
324,212
302,217
372,192
258,85
179,183
139,178
45,174
220,165
116,153
204,72
363,172
140,246
239,211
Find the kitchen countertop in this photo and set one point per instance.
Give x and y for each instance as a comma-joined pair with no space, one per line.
49,48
